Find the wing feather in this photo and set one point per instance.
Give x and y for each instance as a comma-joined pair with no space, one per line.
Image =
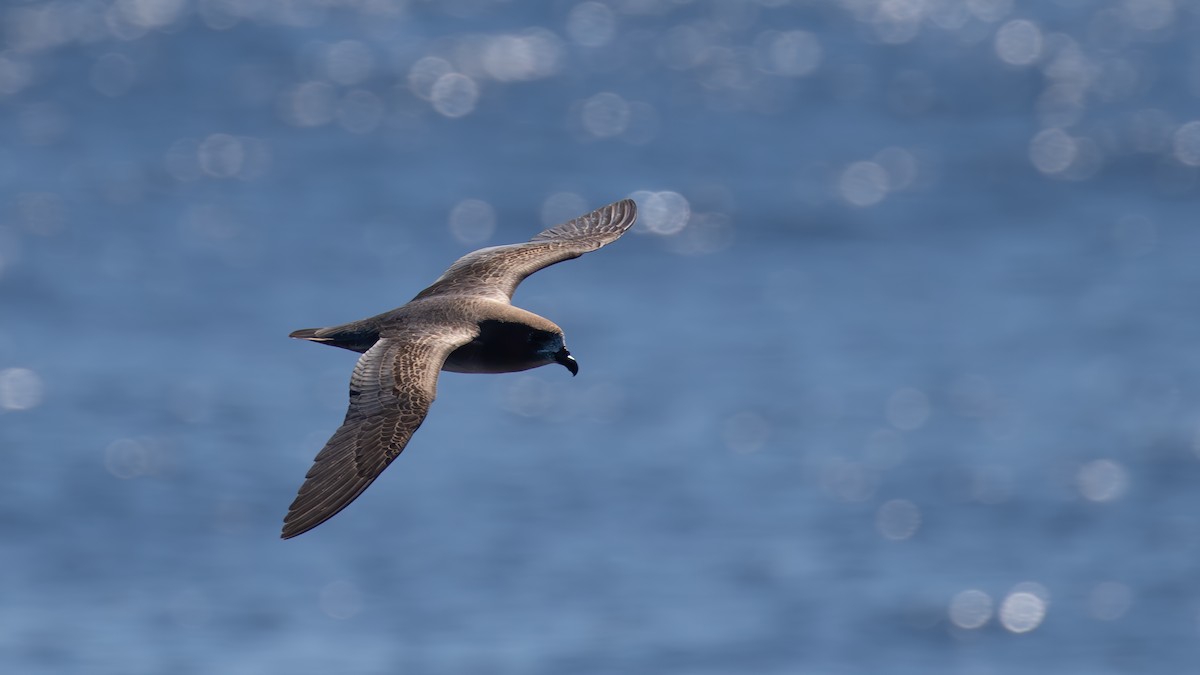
497,271
391,390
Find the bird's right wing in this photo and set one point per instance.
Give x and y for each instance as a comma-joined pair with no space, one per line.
391,390
495,272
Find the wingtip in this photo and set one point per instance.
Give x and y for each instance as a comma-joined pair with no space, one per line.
294,527
604,225
630,207
620,214
289,529
624,208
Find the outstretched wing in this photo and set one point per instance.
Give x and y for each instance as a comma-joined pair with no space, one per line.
495,272
391,389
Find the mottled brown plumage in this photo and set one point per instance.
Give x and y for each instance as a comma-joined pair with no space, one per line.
463,322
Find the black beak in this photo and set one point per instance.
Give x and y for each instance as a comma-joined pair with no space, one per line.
564,358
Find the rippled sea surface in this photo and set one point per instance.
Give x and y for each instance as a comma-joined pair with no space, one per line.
898,374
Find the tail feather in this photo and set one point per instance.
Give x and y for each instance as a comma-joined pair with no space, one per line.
357,337
307,334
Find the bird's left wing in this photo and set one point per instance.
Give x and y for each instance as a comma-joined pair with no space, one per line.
391,390
495,272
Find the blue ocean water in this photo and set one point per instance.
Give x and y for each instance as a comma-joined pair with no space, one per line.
898,374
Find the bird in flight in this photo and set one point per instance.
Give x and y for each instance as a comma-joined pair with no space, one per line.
465,323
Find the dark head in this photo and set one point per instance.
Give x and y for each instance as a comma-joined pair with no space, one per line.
510,347
551,349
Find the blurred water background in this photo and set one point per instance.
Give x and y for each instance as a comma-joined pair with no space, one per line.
897,375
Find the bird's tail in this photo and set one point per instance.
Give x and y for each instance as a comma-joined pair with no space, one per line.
306,334
353,336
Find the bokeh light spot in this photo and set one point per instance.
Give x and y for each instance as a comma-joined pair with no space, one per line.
310,104
1052,151
591,24
970,609
848,481
1102,480
605,115
150,13
425,73
1186,142
1150,15
20,389
897,22
795,53
1022,612
348,62
683,47
1019,42
127,458
664,213
863,184
531,55
1034,588
220,155
898,519
472,221
220,14
454,95
120,26
989,10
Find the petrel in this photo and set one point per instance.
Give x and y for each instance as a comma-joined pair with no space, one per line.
465,323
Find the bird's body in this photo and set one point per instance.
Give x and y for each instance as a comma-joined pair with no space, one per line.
503,332
463,322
